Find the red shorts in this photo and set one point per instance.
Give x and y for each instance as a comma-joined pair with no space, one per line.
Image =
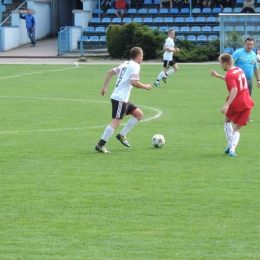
239,118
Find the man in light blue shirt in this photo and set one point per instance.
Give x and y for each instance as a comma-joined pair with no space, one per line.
246,59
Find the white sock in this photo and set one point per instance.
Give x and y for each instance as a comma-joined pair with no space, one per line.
129,125
161,75
234,141
108,133
170,72
228,129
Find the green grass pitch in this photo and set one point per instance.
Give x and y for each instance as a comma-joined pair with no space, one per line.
60,199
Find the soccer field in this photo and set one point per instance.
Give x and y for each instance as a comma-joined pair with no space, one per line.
60,199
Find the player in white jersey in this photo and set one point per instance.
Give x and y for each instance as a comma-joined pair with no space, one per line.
168,59
127,77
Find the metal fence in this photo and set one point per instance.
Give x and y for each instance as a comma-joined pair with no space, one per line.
71,40
68,40
235,28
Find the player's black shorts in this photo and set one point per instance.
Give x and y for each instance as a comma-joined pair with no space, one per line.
120,109
168,63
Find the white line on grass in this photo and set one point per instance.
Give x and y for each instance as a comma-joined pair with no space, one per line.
158,114
37,72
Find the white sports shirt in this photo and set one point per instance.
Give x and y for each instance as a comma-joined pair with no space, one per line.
168,44
127,71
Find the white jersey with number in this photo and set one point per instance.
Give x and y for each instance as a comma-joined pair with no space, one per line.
127,71
169,43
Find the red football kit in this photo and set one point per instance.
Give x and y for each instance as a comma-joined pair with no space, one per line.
240,108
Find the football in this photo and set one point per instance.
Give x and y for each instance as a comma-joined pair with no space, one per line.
158,141
75,64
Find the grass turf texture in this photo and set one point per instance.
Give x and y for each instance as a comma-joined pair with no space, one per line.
60,199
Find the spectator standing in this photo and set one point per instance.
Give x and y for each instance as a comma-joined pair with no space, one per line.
246,59
248,6
30,24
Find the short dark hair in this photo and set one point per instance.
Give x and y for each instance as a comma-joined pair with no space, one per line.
134,52
249,39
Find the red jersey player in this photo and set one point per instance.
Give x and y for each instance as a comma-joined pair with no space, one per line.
238,103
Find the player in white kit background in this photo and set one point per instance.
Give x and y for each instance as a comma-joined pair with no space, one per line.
127,77
168,60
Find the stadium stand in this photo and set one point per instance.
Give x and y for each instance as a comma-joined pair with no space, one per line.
195,29
142,12
148,20
227,10
97,12
153,12
174,11
196,11
90,30
191,38
189,20
102,41
216,10
180,37
237,10
202,39
100,30
179,20
163,11
203,22
200,19
212,37
116,20
158,21
137,20
229,50
163,29
184,11
175,28
206,29
206,11
105,20
168,20
127,20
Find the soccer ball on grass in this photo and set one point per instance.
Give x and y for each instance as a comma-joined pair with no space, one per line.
158,141
75,64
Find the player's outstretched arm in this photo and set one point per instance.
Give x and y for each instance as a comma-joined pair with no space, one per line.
215,74
137,84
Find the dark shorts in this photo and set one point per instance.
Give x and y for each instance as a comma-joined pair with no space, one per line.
120,109
120,11
168,63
